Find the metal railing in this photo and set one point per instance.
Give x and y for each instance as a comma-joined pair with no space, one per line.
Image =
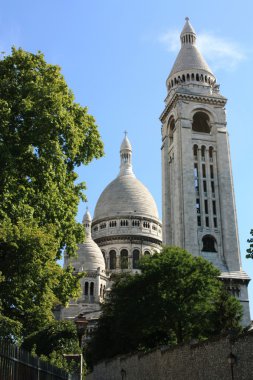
18,364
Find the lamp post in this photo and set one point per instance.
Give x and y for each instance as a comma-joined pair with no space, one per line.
232,361
81,326
123,374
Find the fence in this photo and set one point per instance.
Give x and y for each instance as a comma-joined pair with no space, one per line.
18,364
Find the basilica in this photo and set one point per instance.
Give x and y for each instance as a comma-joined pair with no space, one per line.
198,204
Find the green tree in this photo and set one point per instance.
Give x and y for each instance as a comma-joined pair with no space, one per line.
44,135
250,249
53,341
175,299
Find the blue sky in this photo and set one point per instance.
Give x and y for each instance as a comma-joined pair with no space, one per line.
116,55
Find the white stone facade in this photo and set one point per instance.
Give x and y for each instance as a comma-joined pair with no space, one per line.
199,211
125,227
126,224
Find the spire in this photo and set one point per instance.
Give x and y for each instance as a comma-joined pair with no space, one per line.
87,223
188,34
190,66
126,157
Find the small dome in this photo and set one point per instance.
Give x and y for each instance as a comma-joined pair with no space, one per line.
187,29
90,256
87,216
126,145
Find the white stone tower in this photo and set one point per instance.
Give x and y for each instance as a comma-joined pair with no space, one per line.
199,211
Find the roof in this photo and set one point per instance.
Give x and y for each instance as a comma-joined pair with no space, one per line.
89,257
126,195
189,57
235,275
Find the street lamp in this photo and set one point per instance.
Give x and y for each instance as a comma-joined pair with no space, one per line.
123,374
232,360
81,326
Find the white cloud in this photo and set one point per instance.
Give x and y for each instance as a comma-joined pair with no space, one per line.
220,54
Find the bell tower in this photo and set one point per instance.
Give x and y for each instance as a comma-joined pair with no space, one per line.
199,211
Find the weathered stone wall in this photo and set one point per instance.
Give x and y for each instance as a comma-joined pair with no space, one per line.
205,361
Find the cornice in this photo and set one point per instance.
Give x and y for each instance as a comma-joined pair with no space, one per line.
105,240
217,101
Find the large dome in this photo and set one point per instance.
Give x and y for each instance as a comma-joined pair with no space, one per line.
126,195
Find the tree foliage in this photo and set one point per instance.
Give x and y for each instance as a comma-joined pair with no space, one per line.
175,299
250,249
44,135
53,341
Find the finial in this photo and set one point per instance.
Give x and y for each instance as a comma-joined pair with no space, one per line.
187,19
125,133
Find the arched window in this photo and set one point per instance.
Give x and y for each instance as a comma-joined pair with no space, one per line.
211,154
92,289
203,152
124,259
209,244
112,259
86,288
136,257
171,129
201,122
195,151
146,253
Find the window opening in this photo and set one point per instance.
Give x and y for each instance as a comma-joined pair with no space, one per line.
209,244
201,123
112,259
204,187
86,288
204,170
92,288
206,206
124,259
136,257
214,207
198,205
